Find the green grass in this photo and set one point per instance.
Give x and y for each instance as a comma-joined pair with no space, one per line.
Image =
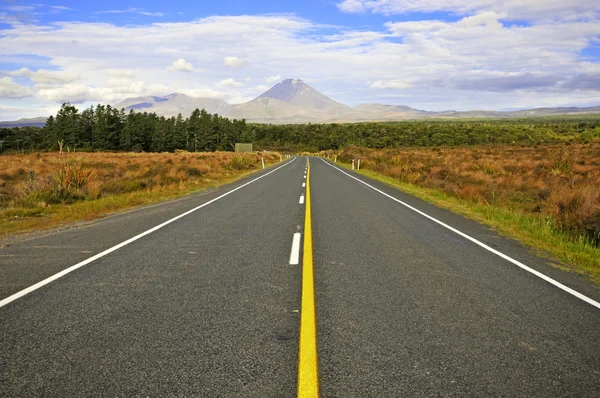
541,233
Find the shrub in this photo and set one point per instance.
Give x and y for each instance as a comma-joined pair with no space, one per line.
71,175
241,162
193,172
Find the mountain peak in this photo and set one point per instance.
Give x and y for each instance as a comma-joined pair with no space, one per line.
296,92
292,81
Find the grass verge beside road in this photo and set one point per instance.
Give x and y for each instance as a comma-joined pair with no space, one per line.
47,190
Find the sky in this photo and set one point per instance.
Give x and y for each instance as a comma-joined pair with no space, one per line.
427,54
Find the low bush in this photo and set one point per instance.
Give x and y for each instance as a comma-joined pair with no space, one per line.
560,181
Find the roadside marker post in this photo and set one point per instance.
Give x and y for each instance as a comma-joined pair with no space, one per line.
352,164
358,168
263,162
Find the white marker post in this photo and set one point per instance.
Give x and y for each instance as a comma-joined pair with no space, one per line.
335,160
352,164
263,162
358,164
280,158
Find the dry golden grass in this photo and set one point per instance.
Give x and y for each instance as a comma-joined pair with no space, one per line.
562,181
547,197
44,190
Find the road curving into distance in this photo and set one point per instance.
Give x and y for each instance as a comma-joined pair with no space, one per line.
295,281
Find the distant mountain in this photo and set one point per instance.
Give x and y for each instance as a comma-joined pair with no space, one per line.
555,111
271,110
300,94
173,104
293,101
372,107
24,122
290,101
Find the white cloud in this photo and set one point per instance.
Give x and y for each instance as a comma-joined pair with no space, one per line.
273,79
115,90
11,112
43,75
234,62
10,89
480,61
353,6
62,8
395,83
19,8
514,9
203,92
181,65
121,72
75,93
228,83
157,89
132,10
152,14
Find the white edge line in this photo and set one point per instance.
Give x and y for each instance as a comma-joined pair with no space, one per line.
72,268
301,201
481,244
295,253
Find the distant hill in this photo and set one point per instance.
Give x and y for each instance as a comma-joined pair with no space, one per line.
173,104
24,122
294,101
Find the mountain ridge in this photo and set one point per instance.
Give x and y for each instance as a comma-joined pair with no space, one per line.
294,101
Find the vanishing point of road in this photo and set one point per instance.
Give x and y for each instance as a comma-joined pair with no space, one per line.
304,279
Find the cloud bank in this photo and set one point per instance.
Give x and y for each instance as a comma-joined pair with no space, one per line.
479,59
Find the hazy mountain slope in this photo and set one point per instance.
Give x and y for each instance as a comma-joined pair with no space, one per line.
373,107
175,103
272,110
298,93
24,122
293,101
186,105
555,111
139,102
373,111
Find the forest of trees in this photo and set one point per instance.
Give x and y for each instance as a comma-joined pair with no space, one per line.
104,128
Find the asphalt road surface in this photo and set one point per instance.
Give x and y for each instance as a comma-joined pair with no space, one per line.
203,296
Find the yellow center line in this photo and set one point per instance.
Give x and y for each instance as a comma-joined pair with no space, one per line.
308,374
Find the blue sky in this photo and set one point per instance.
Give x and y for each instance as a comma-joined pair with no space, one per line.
456,54
319,11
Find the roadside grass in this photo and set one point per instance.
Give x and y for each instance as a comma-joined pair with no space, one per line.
47,190
554,209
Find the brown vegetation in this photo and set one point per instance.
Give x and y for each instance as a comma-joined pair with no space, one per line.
559,181
43,185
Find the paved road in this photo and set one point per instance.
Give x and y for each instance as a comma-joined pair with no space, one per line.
208,304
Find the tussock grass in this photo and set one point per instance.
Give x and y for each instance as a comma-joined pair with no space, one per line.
46,190
547,197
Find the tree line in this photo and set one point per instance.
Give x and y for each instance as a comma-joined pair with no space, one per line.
426,133
105,128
